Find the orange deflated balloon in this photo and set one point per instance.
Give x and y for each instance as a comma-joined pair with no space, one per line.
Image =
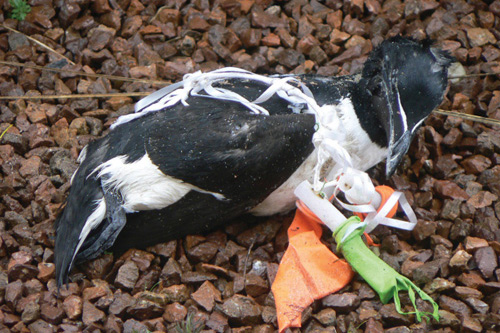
308,270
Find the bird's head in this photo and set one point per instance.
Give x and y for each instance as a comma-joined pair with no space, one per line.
405,80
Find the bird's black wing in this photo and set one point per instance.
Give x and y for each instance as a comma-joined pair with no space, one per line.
222,149
215,146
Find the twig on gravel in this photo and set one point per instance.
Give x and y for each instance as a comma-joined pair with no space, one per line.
479,119
39,43
93,75
466,116
130,94
157,12
472,75
129,79
246,262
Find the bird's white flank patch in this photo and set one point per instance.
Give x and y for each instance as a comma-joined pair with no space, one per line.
142,185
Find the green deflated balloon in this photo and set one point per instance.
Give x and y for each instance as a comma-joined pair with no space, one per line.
379,275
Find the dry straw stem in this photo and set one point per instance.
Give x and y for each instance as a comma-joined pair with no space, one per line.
92,75
156,15
246,262
39,43
451,77
478,119
130,94
466,116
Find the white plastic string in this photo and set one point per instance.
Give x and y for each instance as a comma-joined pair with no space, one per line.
375,218
195,83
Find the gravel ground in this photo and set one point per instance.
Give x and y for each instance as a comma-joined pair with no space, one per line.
220,282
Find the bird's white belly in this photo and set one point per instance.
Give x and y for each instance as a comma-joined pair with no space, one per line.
365,154
282,199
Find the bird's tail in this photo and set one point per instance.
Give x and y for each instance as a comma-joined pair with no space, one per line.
90,222
85,209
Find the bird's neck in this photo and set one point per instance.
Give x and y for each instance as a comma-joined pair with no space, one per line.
365,152
365,111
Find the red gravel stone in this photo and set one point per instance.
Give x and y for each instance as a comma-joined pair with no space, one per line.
46,271
476,164
195,277
93,293
255,285
20,258
176,293
41,326
343,302
13,293
474,243
392,317
486,260
271,39
206,296
120,304
51,314
72,306
480,37
144,309
242,309
91,315
30,313
203,252
127,275
482,199
174,312
448,189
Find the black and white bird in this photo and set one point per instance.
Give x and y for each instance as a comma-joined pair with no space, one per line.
203,151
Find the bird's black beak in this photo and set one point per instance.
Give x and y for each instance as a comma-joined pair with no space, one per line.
399,129
393,118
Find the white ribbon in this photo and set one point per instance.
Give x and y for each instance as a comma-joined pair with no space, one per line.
195,83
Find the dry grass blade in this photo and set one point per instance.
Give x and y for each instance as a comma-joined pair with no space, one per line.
246,262
5,131
157,13
474,118
105,76
129,79
478,119
39,43
466,116
472,75
131,94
